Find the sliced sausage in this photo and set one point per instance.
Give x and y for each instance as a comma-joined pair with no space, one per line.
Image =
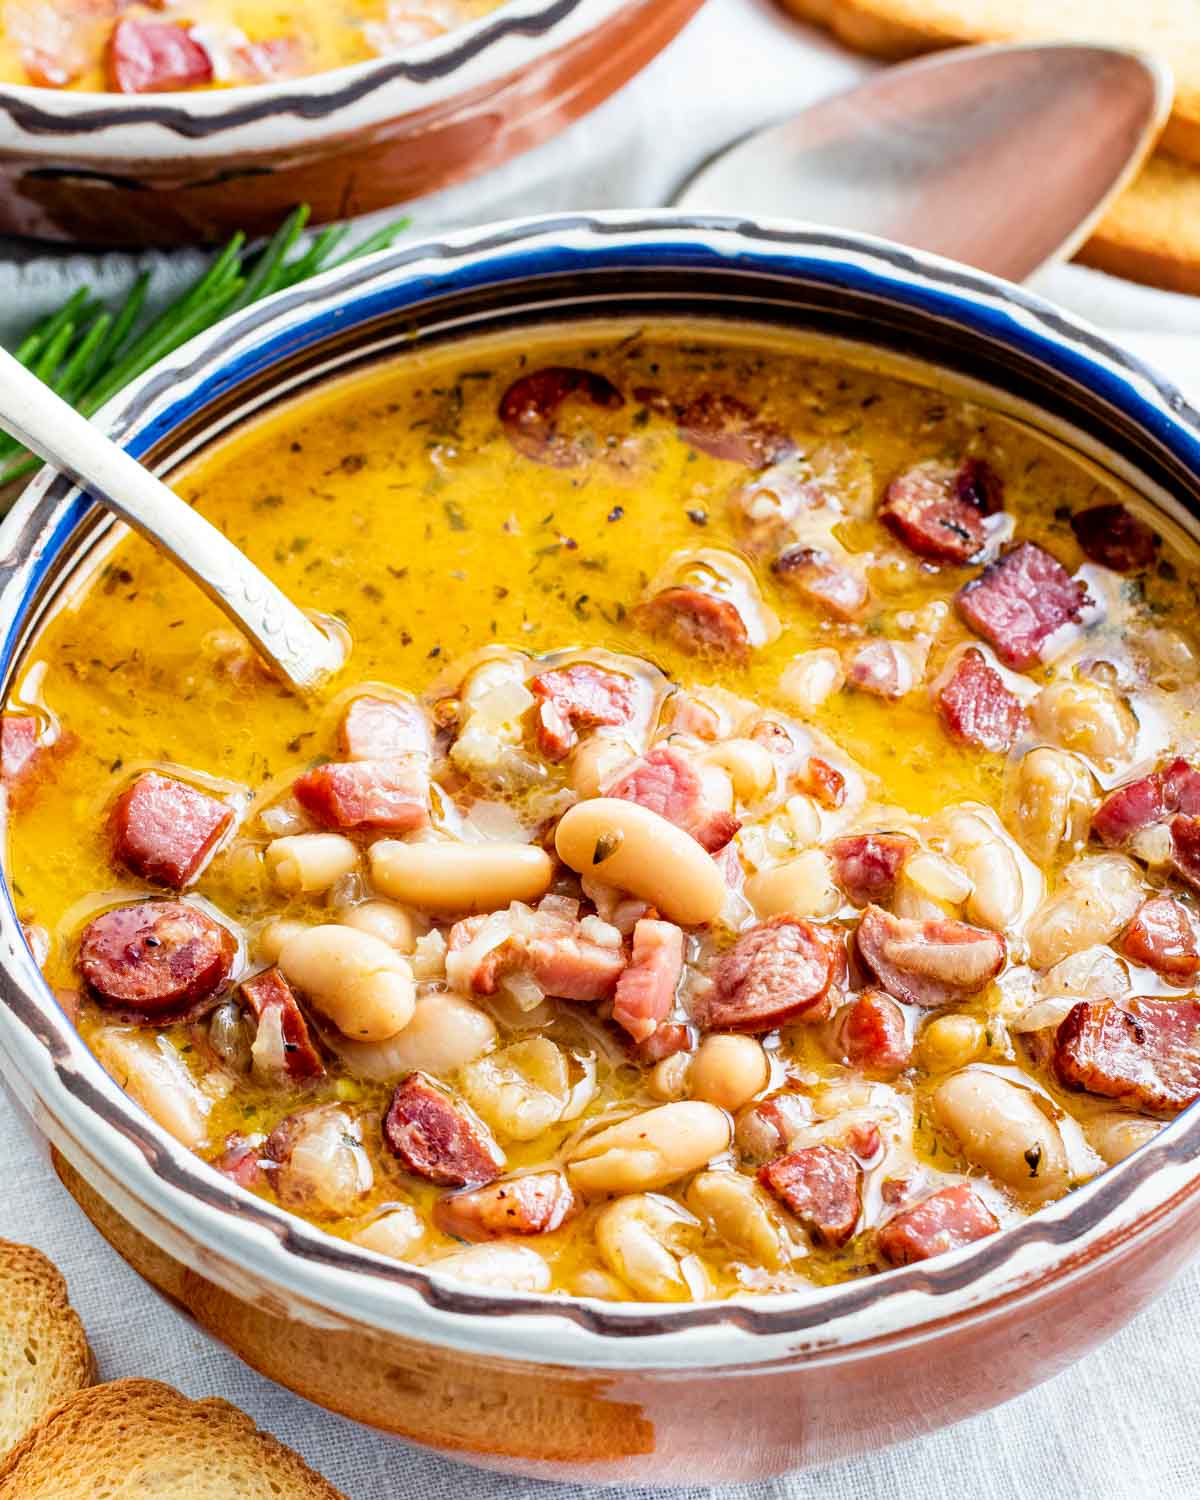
668,782
164,830
1143,1052
822,1186
156,957
947,1220
774,973
437,1138
725,427
697,623
1115,538
530,406
646,989
976,708
383,729
552,949
870,1034
937,510
928,963
391,794
867,865
812,573
1173,788
538,1203
1163,936
576,698
1018,602
152,57
277,1012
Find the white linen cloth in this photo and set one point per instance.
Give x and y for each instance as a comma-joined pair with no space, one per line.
1119,1425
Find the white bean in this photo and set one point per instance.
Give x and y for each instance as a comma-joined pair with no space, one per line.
271,938
996,895
390,923
596,761
396,1233
929,887
1000,1127
643,1240
668,1079
949,1042
445,877
326,1171
1098,895
803,886
751,767
521,1090
638,851
363,986
650,1150
1088,718
154,1075
1053,804
1116,1135
306,862
728,1071
445,1034
514,1268
810,678
738,1212
804,818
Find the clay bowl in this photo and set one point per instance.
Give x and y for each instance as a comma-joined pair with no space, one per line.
558,1387
183,168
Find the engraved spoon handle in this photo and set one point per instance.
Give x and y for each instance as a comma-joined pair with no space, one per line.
32,413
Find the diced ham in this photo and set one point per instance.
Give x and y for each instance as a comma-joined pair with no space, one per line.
1115,538
666,1041
937,510
1018,602
1185,849
155,958
646,990
383,729
696,623
822,1186
579,697
391,794
823,782
870,1034
530,406
976,708
164,830
866,865
536,1203
1163,935
153,57
551,948
1145,1053
776,972
439,1139
726,428
928,963
1173,788
813,574
882,668
668,782
945,1221
275,1007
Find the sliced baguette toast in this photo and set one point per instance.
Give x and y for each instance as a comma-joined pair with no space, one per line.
139,1440
1152,232
44,1353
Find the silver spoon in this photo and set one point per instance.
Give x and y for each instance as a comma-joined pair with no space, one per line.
1001,157
284,634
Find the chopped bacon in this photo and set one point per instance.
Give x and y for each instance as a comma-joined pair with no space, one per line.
1115,538
667,781
646,990
822,1186
391,794
870,1034
439,1139
1174,788
976,708
696,623
866,865
530,406
1185,849
945,1221
1163,935
153,57
577,697
537,1203
778,971
155,958
26,751
164,829
814,575
937,510
383,729
1018,602
928,963
270,997
882,668
1145,1053
551,948
823,782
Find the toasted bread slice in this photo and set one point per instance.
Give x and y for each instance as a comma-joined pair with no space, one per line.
139,1440
903,28
44,1354
1152,232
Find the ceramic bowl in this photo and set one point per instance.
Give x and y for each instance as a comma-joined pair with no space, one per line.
563,1387
166,169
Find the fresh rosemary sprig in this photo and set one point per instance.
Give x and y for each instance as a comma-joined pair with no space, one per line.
87,352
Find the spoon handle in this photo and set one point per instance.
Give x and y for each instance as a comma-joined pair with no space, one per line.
40,420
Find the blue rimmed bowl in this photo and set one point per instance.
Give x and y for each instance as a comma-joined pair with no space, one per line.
556,1386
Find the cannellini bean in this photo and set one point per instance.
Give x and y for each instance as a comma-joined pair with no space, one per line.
928,887
1114,1134
643,1241
514,1268
737,1211
669,1079
638,851
728,1071
1170,656
811,678
154,1075
996,892
1098,895
650,1150
949,1042
390,923
446,877
1053,804
596,762
1089,718
307,862
363,986
804,819
599,1284
803,886
521,1090
1000,1128
1092,974
396,1233
749,765
268,945
326,1170
445,1034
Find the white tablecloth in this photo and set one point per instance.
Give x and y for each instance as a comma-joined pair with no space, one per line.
1119,1426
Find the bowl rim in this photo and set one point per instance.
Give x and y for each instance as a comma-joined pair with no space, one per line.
273,1253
